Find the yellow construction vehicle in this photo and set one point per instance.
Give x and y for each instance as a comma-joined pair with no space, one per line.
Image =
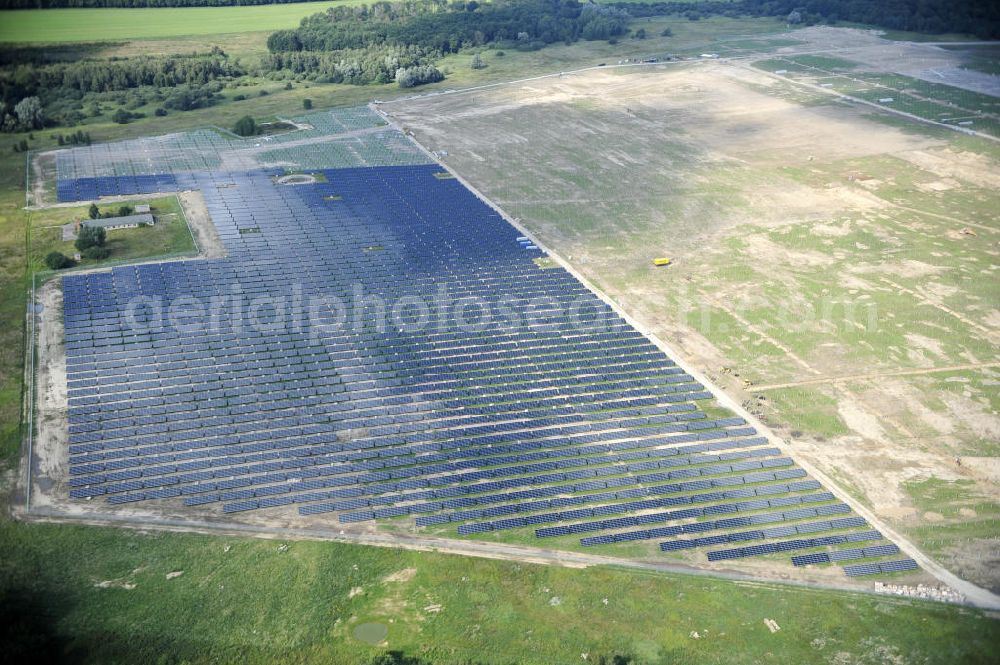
661,261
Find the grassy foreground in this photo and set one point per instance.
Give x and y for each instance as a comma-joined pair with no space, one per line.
98,595
100,25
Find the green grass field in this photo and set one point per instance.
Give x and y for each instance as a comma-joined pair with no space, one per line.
98,595
104,25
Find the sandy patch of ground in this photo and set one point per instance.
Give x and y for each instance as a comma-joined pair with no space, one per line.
205,234
43,170
50,446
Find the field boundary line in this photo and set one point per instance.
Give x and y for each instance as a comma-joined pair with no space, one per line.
870,375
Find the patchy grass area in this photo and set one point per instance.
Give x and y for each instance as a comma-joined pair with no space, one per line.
961,519
170,236
98,595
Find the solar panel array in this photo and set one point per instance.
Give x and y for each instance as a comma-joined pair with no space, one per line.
325,139
552,416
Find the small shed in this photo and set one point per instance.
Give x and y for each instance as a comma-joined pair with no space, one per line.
142,208
126,222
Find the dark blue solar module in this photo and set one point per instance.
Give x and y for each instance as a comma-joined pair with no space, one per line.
338,361
857,570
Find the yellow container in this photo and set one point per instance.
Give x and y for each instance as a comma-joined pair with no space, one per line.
661,262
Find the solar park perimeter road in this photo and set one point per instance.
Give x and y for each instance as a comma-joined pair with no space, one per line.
372,424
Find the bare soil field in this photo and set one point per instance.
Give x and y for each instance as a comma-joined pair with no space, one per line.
834,270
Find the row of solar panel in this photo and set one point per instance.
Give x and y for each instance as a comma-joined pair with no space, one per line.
411,455
584,357
648,518
403,485
615,413
616,406
534,506
385,369
845,555
860,569
284,428
181,429
326,442
802,543
621,387
536,493
406,472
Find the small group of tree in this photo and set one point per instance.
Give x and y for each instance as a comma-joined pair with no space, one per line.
58,261
21,146
122,116
95,213
90,242
78,137
307,104
190,97
375,64
477,62
25,115
245,126
408,77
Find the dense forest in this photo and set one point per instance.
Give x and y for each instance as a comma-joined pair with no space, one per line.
974,17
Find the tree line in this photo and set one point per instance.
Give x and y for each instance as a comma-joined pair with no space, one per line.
33,95
449,28
972,17
377,64
374,43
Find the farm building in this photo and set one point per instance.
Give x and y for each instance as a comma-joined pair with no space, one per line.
126,222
